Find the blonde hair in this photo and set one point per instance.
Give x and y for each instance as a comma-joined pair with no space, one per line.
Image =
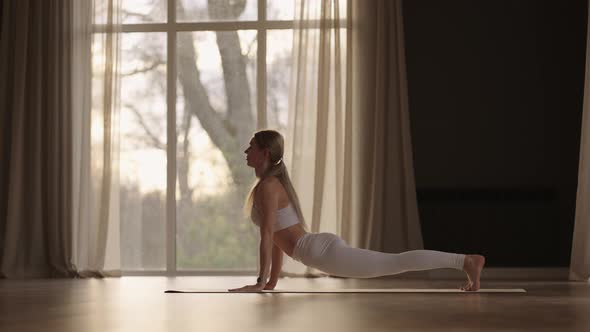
273,141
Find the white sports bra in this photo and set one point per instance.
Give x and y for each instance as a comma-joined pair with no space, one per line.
286,217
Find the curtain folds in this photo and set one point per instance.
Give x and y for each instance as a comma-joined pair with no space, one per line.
318,121
391,222
35,135
580,257
348,144
59,138
96,224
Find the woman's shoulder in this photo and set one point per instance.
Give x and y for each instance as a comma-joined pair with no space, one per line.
268,186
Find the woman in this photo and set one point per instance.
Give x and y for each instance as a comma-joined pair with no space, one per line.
273,206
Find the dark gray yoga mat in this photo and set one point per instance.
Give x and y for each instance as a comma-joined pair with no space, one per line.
358,290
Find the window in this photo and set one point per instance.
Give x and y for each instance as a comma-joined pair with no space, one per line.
197,81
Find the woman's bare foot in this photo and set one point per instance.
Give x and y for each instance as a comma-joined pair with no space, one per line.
472,266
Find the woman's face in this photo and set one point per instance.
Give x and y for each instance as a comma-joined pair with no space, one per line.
254,155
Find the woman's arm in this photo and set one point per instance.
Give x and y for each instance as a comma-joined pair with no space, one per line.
275,268
269,205
266,199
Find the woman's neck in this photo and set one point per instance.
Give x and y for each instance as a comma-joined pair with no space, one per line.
260,171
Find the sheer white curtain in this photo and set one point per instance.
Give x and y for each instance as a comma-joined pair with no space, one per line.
580,259
348,144
320,118
96,238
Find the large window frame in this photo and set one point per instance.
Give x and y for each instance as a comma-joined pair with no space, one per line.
171,27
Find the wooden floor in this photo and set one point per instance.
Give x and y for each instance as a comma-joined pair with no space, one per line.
139,304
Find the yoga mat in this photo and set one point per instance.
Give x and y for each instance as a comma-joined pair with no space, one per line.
359,290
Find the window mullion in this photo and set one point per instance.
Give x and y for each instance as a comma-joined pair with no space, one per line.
261,67
171,145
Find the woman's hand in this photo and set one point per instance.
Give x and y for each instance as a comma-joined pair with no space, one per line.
250,288
270,285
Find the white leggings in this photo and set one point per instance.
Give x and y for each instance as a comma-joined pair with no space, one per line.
329,253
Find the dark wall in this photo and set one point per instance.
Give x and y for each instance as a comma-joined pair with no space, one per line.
496,90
